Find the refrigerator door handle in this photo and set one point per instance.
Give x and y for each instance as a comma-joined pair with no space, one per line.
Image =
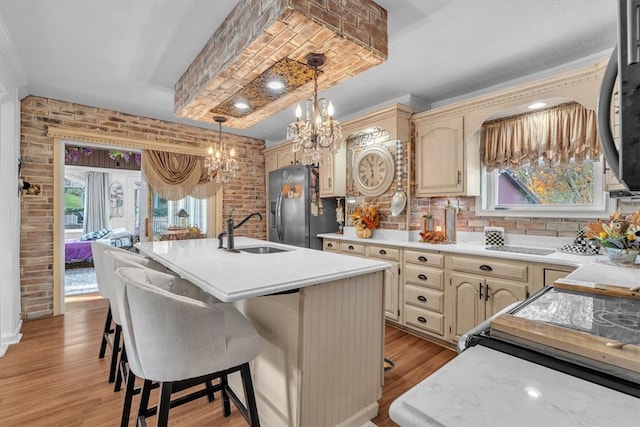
279,216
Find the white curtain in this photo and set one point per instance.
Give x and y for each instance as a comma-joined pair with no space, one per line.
95,201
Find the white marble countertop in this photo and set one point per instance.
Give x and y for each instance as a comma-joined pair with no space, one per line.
233,276
484,387
594,269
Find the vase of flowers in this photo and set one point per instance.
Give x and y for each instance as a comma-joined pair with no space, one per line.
619,235
365,219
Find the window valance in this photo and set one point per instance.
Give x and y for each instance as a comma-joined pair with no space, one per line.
555,135
175,176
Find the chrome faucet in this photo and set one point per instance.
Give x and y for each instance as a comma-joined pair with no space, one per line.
229,232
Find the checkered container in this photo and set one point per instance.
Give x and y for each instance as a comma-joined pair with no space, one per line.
494,236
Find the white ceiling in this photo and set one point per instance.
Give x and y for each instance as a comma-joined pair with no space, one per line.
127,55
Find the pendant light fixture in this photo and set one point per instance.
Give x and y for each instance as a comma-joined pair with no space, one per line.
220,163
318,130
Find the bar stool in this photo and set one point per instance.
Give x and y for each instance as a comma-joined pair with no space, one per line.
115,259
112,331
180,342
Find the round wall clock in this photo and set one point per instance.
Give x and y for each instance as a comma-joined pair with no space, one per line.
373,171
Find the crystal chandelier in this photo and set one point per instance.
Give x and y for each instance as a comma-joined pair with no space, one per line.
220,162
318,130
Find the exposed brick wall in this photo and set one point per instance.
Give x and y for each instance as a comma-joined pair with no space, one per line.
245,194
531,226
257,33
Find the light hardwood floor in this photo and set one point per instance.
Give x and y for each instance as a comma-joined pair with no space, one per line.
53,377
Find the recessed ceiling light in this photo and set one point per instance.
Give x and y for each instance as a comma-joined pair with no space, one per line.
537,105
275,84
241,105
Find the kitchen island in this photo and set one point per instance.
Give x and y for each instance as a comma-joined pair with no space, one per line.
320,317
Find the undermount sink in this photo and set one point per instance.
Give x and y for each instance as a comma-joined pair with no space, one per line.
262,250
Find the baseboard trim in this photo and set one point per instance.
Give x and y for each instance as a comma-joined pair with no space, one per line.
362,417
8,339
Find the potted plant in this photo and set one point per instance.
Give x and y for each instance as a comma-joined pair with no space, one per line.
365,219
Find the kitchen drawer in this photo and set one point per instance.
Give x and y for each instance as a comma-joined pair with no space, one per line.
424,258
384,252
424,276
424,319
351,248
330,245
490,267
423,297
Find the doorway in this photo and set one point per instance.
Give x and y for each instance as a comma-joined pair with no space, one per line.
143,216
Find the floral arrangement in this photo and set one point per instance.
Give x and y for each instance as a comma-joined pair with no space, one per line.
365,218
617,231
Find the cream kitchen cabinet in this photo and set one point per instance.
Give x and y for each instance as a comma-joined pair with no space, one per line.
423,293
480,287
547,274
391,279
278,157
440,156
333,173
392,276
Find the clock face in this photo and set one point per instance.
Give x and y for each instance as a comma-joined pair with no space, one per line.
374,171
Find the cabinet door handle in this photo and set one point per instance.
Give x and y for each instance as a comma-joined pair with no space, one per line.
422,277
485,267
329,245
422,319
422,258
459,177
422,298
486,292
382,252
351,247
329,182
480,290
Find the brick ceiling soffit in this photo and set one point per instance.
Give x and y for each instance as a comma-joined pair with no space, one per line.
252,40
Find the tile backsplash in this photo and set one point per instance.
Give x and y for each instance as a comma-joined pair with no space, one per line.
532,226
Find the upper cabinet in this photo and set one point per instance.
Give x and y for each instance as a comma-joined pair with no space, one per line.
278,157
439,157
333,173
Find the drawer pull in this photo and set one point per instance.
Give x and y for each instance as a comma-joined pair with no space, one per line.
350,247
422,277
422,319
485,267
422,258
422,298
382,252
329,245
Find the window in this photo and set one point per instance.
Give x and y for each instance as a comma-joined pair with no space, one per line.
570,190
73,204
165,214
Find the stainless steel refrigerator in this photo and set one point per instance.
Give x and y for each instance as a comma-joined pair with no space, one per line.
296,212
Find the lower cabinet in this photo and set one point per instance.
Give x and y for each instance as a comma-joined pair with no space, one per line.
479,287
475,298
391,278
389,254
444,295
424,307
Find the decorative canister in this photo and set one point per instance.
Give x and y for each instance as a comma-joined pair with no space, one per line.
363,233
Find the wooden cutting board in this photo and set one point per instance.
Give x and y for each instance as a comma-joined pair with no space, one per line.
511,327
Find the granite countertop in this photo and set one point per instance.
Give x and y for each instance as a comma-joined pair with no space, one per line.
233,276
591,269
484,387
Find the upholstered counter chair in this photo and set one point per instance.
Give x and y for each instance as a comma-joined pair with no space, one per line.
180,342
112,331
